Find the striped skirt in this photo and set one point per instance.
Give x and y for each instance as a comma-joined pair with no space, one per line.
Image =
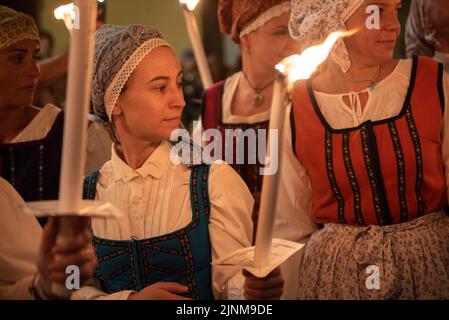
403,261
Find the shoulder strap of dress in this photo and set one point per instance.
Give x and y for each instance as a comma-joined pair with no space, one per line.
302,111
440,86
427,77
199,191
58,125
90,185
211,105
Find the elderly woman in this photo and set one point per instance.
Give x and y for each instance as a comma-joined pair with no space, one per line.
370,137
177,218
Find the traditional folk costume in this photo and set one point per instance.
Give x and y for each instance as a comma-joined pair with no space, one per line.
31,161
375,177
177,218
29,169
239,18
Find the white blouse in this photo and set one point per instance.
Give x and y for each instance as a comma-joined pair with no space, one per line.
19,244
156,200
386,101
40,126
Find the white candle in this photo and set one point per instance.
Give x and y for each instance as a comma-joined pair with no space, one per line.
197,44
200,57
270,186
77,106
296,67
75,122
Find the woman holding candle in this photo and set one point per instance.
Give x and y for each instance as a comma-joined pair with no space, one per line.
243,100
30,258
30,137
370,134
177,218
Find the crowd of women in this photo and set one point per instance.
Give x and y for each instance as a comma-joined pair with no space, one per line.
364,174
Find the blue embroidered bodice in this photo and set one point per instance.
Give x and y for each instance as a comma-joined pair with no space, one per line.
183,256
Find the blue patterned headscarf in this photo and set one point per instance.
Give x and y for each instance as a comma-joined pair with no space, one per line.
118,51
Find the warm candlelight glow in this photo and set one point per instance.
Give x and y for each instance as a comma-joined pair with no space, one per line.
67,13
301,67
191,4
63,11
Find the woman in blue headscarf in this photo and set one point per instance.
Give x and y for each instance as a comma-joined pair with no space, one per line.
178,218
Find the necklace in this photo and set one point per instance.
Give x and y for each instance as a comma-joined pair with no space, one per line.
373,83
259,98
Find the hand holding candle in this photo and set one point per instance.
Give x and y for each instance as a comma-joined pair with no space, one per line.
75,122
74,213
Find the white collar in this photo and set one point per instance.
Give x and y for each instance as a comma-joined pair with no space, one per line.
155,165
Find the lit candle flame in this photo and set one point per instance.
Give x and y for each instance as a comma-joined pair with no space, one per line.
301,67
67,13
190,4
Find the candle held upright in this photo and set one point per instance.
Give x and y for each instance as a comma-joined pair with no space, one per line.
75,121
78,95
197,45
270,185
291,69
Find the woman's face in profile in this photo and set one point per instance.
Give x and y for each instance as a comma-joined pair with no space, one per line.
19,73
271,43
374,44
151,104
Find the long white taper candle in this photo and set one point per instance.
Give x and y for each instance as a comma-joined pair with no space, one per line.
270,185
77,106
198,48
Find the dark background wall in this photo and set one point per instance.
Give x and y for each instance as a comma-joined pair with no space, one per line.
30,7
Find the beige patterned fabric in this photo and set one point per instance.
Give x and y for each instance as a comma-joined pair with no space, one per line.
234,16
271,13
16,26
412,259
311,21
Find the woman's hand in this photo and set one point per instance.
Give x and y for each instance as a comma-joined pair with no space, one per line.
161,291
54,257
268,288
